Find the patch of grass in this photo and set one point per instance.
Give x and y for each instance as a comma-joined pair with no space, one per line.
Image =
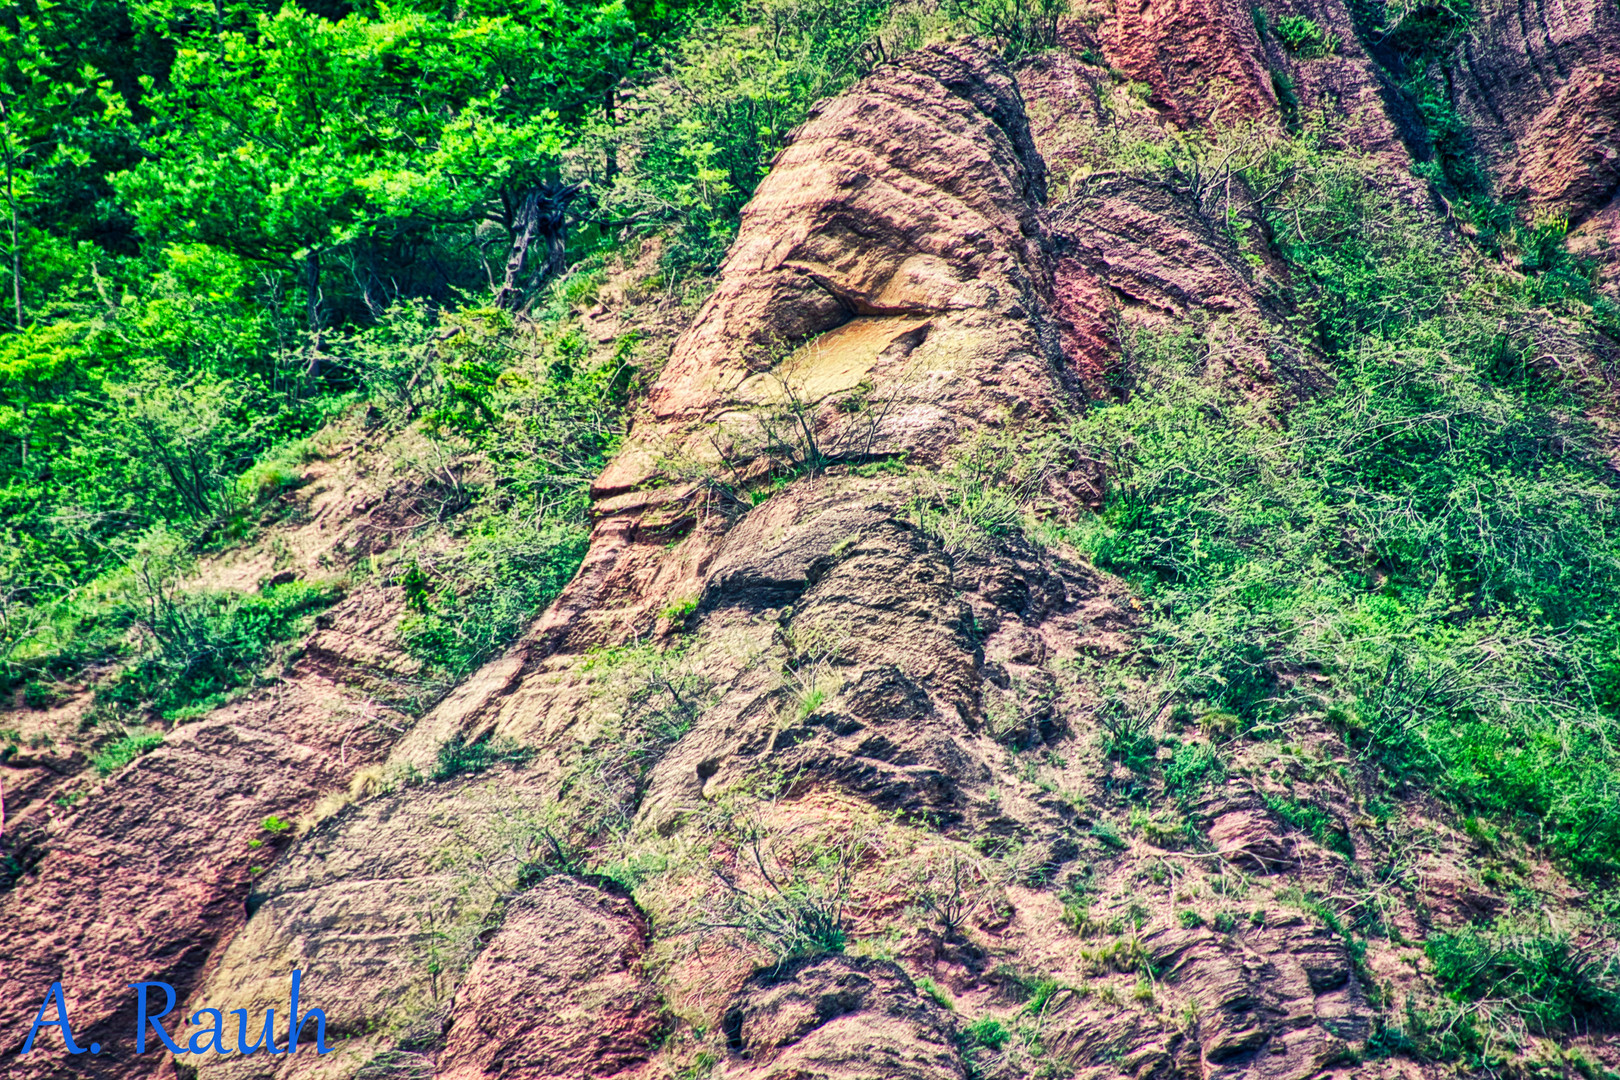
987,1032
458,756
115,755
1109,835
1189,919
1312,819
937,992
200,647
1306,38
1425,550
1535,978
1192,766
678,611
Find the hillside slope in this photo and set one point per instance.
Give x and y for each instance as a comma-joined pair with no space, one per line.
884,731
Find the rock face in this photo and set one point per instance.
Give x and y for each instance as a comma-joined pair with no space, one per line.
558,993
838,1017
847,653
1537,85
150,877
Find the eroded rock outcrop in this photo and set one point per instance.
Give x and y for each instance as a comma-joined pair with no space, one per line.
838,1017
559,992
1537,86
150,876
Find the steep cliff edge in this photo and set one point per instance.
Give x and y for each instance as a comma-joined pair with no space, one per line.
822,779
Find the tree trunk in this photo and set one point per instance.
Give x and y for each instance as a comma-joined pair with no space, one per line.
542,214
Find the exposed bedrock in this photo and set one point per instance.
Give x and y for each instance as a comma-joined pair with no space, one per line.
149,878
899,251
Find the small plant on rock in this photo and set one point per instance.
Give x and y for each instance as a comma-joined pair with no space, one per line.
1306,38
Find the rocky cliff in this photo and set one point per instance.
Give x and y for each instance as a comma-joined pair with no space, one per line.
811,787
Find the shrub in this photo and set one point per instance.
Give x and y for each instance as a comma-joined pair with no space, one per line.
199,647
987,1032
1109,835
1018,27
1302,35
1525,980
1191,767
1313,820
1435,532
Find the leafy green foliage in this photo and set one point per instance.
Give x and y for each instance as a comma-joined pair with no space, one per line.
1425,553
1303,35
1191,766
1554,984
1018,27
1505,983
709,126
1312,819
987,1032
545,419
200,646
221,228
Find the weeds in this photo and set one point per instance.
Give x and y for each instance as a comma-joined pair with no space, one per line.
1306,38
790,899
1435,534
115,755
1523,980
458,756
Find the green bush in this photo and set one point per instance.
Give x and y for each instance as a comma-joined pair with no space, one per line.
1302,35
198,647
1540,980
709,123
1425,552
1018,27
987,1032
1314,821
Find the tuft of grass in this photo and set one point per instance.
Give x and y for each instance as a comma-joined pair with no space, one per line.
937,992
1314,820
1305,37
115,755
987,1032
1541,980
1109,835
678,611
458,756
